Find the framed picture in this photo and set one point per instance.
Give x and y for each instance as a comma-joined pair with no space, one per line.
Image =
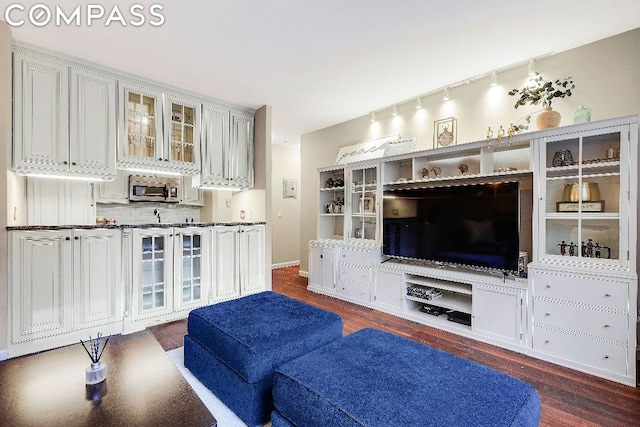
445,132
289,188
367,205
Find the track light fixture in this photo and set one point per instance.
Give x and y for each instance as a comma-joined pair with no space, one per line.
494,78
418,103
445,97
373,117
394,110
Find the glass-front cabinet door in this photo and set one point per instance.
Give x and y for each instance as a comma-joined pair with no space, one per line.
190,282
584,197
182,132
363,203
143,125
152,272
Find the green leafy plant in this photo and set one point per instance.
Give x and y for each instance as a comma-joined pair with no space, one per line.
543,91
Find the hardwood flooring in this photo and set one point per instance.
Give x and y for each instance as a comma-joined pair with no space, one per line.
569,398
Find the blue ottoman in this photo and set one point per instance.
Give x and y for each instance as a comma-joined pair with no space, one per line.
234,347
374,378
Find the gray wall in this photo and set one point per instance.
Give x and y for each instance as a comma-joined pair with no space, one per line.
606,77
285,212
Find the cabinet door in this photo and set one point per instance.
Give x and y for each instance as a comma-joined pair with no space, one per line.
498,313
225,257
140,121
152,273
182,133
59,202
192,196
241,153
41,284
252,259
215,137
191,267
41,114
322,268
92,123
389,289
362,204
116,191
97,280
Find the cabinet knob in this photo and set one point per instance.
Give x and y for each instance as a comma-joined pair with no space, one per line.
607,295
548,286
607,326
547,314
73,163
606,356
546,341
67,238
76,238
64,162
160,158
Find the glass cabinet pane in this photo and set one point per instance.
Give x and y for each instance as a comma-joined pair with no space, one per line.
182,132
363,203
141,132
152,271
191,267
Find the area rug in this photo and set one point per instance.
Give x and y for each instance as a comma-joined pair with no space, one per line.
224,415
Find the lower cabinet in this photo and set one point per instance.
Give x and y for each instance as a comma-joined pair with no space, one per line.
389,289
322,267
65,286
499,313
585,321
239,261
169,273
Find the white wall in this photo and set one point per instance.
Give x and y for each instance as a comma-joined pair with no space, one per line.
605,74
285,212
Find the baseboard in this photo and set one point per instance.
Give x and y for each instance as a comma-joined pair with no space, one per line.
303,274
285,265
4,355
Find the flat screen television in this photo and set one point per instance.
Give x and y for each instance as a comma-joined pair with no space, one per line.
470,225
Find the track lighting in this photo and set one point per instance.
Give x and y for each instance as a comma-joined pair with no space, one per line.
394,110
532,67
373,117
494,78
446,94
418,103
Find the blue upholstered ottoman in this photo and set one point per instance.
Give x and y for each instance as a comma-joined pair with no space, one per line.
234,347
373,378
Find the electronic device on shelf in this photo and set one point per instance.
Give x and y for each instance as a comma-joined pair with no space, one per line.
459,317
472,225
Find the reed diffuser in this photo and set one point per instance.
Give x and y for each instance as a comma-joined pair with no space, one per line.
97,371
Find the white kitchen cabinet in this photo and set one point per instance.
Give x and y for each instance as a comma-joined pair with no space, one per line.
227,147
116,191
65,285
158,130
152,273
97,277
64,117
192,196
499,313
252,259
191,267
60,202
225,269
239,257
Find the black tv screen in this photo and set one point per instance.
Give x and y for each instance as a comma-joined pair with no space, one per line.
472,225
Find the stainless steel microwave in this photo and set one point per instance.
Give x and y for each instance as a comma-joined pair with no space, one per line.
154,189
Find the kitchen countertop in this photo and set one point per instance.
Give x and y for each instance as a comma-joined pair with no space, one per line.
123,226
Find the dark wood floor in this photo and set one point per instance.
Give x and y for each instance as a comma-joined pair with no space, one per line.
569,398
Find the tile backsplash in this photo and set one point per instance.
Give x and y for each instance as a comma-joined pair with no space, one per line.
143,213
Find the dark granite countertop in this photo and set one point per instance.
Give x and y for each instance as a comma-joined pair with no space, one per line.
128,226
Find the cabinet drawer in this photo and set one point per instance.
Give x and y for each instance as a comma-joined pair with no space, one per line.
607,357
356,291
582,290
355,274
355,256
609,326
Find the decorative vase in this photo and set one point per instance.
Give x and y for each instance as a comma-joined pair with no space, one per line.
96,373
548,119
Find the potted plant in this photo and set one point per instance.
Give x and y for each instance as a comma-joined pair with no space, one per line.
542,91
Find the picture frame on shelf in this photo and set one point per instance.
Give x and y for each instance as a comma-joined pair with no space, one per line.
445,132
590,206
366,204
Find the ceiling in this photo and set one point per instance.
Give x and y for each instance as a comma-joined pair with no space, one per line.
321,62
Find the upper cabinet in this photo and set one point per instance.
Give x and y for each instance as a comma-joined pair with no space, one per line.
586,195
227,136
158,130
64,117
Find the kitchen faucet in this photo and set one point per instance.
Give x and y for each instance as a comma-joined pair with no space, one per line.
156,212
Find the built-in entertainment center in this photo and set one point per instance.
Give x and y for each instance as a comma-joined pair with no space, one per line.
528,244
